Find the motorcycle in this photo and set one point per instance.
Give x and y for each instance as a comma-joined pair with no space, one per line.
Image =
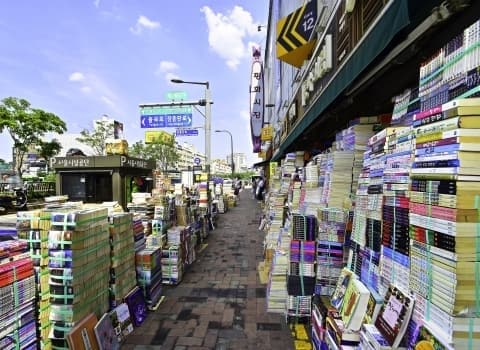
13,200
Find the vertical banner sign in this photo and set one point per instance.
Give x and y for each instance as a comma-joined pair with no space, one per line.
256,100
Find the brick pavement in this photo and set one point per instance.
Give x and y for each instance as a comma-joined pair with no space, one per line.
220,304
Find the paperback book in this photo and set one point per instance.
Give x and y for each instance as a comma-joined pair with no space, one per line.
394,316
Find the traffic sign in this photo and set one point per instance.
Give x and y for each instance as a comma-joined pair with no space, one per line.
196,161
176,95
165,110
186,132
166,121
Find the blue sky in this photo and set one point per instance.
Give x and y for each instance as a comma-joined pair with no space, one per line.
81,59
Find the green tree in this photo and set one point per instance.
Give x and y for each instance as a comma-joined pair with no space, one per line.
26,126
50,149
165,156
97,137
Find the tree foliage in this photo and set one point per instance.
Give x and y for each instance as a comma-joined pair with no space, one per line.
26,126
165,156
50,149
96,138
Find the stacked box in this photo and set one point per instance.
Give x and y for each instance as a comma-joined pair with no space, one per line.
148,264
17,297
122,257
32,228
79,266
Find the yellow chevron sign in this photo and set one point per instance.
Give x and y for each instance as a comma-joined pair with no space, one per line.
294,34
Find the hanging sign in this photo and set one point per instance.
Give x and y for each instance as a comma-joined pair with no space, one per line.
256,100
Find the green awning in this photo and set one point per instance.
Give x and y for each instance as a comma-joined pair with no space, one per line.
394,19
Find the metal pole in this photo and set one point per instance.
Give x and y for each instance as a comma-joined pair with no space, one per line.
208,116
231,153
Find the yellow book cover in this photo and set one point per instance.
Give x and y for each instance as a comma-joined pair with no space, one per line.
355,305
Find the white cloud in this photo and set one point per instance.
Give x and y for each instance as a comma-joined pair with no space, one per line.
86,89
166,67
94,86
144,23
96,3
227,32
76,76
107,101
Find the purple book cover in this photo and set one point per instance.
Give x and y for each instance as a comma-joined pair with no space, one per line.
136,305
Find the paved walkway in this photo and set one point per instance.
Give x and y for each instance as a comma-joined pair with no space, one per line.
220,304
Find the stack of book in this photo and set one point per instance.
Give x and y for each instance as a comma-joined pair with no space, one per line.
143,207
288,165
295,195
139,236
17,297
79,266
311,202
394,260
444,220
172,265
330,248
337,184
301,272
359,228
148,264
33,227
203,195
277,280
355,139
122,257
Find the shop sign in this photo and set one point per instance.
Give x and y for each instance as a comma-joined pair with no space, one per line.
272,166
133,162
161,137
256,100
72,162
322,65
267,133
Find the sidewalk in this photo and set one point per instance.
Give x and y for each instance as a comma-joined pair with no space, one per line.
220,304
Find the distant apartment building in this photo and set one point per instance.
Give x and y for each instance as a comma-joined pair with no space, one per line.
188,156
239,161
220,167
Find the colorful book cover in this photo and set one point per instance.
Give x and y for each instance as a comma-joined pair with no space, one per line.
394,316
355,305
105,334
136,306
426,340
342,283
82,336
121,321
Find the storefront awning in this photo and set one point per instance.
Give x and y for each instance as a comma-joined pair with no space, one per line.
394,19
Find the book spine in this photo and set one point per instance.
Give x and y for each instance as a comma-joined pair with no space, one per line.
431,119
443,125
437,163
437,150
427,113
439,142
430,170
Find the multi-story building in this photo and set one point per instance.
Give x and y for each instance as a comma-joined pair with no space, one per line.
239,162
220,167
189,156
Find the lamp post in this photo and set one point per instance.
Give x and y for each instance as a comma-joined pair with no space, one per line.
232,164
208,116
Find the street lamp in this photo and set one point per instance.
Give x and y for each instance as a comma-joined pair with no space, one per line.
232,164
208,116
